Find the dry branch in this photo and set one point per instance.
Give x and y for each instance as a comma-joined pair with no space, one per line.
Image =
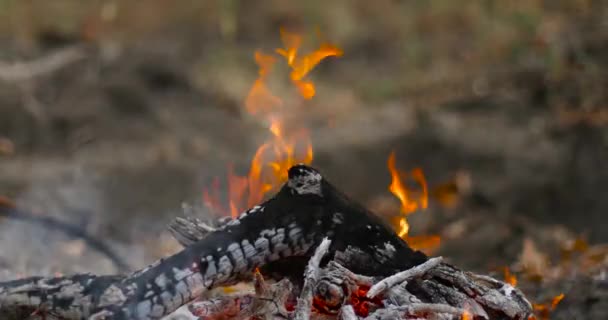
8,210
25,70
402,276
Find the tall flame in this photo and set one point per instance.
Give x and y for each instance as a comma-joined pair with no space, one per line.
285,148
411,201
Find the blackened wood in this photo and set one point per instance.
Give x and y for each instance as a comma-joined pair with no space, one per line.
291,224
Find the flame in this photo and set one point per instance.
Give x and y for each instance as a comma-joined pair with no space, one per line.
410,202
286,146
466,315
509,277
543,310
260,98
301,66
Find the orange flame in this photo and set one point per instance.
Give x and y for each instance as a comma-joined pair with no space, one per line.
409,203
509,277
269,165
543,310
301,66
260,99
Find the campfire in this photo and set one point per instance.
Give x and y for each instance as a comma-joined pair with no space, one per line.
330,257
307,252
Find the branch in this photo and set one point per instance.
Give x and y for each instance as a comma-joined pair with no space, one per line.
348,313
189,230
20,71
402,276
8,210
311,277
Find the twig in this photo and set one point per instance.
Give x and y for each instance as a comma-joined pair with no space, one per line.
348,313
189,230
9,211
25,70
417,310
268,302
311,276
402,276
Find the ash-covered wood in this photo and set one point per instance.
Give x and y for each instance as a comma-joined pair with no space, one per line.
335,287
287,227
311,277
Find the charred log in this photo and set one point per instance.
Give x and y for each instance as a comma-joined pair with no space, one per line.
288,226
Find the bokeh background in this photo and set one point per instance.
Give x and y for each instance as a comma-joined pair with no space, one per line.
115,113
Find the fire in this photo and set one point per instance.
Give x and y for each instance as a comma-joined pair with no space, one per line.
509,277
287,146
543,310
411,201
301,66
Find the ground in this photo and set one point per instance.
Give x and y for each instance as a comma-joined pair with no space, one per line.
510,99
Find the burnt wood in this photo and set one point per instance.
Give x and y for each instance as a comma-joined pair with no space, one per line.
289,225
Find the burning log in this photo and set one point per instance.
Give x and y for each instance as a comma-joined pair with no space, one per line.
289,226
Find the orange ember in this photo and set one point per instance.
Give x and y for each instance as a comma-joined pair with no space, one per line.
287,146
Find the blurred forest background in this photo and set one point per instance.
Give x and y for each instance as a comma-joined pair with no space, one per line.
113,113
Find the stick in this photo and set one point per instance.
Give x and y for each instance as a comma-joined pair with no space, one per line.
311,276
426,310
189,230
348,313
20,71
8,210
402,276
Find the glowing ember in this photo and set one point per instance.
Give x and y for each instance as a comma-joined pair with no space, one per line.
466,316
286,148
362,304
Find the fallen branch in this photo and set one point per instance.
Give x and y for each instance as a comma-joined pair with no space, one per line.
8,210
20,71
